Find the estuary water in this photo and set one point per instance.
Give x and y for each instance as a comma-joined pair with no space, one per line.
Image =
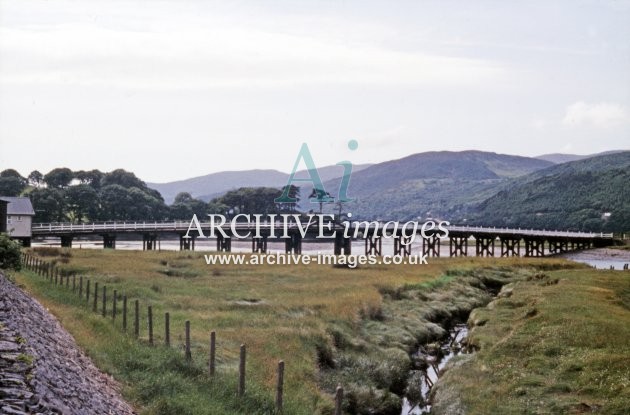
600,258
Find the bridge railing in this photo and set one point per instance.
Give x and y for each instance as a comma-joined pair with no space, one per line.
107,226
530,232
62,227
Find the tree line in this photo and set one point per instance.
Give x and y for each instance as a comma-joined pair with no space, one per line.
63,195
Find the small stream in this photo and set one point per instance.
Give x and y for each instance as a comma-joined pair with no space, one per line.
434,357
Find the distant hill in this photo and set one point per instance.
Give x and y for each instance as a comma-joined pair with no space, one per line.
590,194
431,184
212,185
558,158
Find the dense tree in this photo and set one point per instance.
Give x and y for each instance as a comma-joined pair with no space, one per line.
122,178
185,206
183,197
181,211
49,205
294,193
35,178
92,178
115,202
11,183
82,203
11,186
59,178
251,200
216,207
133,204
144,206
11,173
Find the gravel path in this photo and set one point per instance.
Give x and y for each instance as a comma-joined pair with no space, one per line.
42,370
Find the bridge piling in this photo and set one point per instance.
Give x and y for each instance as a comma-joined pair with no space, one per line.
510,246
557,246
373,244
402,245
458,245
534,247
149,241
484,245
431,246
186,244
342,245
224,244
259,244
109,241
293,244
66,241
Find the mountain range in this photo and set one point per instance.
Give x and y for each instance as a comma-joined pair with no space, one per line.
215,184
565,158
591,194
554,190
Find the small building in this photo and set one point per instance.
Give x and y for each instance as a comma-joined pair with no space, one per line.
19,218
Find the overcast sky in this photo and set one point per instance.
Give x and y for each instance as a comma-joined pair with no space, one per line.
175,89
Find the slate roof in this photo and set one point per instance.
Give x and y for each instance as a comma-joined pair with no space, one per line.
19,206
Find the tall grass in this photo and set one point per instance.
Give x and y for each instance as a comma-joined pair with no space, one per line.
301,314
556,343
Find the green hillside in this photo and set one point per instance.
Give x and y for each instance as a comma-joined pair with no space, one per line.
432,184
591,195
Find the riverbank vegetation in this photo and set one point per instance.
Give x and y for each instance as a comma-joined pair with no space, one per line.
558,342
358,327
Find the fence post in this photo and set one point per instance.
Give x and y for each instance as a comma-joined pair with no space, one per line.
87,291
136,323
150,325
124,313
114,304
167,329
104,300
338,400
68,281
280,386
213,351
80,286
241,371
187,346
95,305
74,283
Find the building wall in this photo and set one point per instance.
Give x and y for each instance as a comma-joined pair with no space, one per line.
19,226
3,216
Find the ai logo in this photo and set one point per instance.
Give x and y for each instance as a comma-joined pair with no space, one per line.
321,196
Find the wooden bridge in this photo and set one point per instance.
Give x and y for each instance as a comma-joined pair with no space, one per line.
507,241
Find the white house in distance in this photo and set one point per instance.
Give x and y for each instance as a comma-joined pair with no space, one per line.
19,218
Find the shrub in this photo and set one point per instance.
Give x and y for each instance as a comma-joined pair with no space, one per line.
9,253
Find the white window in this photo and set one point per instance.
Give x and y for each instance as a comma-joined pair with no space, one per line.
19,219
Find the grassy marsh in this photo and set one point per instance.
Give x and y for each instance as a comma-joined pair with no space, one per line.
331,325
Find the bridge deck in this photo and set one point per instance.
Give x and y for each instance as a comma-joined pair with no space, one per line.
63,229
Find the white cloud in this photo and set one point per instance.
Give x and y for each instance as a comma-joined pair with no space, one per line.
539,123
128,46
602,114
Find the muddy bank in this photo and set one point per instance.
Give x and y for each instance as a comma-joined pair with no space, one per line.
384,358
600,258
42,369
